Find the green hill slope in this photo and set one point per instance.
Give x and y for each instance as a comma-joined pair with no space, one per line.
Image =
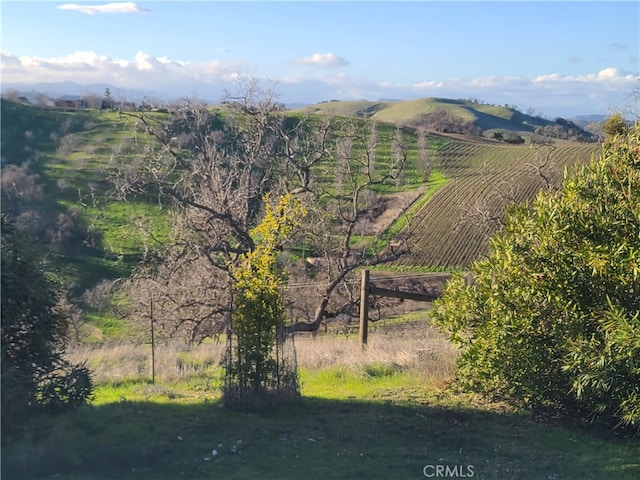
70,152
486,117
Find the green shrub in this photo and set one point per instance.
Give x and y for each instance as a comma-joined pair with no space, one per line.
552,315
35,373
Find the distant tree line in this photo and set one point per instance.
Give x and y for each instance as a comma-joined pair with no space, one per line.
508,138
87,101
566,130
443,122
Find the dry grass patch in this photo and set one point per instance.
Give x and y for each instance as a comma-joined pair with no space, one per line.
126,362
424,353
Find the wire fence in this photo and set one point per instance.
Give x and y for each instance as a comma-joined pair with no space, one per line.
408,342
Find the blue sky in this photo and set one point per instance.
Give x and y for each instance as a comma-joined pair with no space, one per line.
557,58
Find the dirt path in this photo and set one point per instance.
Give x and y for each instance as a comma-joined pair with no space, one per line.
386,212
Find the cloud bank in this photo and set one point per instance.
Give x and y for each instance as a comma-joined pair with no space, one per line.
120,7
551,94
142,71
329,60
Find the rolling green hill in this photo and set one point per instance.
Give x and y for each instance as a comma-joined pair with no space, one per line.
486,117
71,153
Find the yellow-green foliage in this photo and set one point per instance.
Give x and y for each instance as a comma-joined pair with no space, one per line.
258,304
256,278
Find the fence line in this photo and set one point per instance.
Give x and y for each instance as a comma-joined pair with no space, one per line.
390,341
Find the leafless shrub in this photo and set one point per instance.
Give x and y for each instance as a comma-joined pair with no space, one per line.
99,296
67,227
31,222
67,144
19,187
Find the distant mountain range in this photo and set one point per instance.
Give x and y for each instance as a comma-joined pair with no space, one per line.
586,119
72,91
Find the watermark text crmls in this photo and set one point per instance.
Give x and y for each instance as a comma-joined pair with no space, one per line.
448,471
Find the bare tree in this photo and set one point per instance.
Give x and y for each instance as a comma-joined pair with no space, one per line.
20,189
11,95
539,166
398,158
215,167
423,152
333,219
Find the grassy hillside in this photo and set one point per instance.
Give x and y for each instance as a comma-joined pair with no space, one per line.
70,152
486,117
389,411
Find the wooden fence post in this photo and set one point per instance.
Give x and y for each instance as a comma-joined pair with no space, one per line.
153,347
364,308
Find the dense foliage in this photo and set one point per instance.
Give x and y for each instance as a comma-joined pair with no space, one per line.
552,317
34,371
615,125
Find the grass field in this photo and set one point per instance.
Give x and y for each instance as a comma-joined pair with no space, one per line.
387,413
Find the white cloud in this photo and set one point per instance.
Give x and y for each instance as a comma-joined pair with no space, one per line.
424,85
119,7
552,94
329,60
142,72
609,74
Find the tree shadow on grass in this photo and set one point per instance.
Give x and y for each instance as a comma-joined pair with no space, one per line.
312,438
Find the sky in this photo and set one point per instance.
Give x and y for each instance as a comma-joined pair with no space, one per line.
554,58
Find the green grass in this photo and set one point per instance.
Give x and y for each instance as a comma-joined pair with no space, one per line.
344,383
357,108
109,327
376,424
127,226
369,414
